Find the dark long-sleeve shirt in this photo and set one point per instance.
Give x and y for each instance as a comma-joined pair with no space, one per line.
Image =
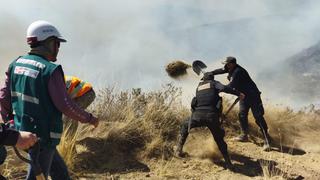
226,89
5,100
8,136
240,79
58,94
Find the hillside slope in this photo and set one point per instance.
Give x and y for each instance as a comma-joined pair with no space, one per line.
205,163
297,76
138,133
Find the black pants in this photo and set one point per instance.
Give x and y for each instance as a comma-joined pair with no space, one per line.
254,103
210,120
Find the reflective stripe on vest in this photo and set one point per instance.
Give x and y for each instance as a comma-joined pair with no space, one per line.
25,97
31,62
25,71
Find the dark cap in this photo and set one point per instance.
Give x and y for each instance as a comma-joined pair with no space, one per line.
229,59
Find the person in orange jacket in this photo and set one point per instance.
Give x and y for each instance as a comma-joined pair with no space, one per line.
80,92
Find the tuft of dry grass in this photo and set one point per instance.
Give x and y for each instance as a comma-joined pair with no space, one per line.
270,171
135,124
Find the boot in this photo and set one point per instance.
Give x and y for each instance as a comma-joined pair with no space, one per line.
267,142
243,137
178,151
266,146
228,163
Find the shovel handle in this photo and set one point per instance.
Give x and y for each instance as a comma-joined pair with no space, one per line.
232,105
223,116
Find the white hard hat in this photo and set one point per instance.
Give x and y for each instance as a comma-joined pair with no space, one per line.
41,30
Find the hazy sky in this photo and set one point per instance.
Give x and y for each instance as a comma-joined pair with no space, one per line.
127,43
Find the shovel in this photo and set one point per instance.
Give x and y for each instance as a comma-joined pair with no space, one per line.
198,66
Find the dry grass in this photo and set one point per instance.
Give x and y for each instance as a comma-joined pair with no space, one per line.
139,126
13,168
136,124
270,171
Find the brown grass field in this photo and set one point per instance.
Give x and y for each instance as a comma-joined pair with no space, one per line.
138,132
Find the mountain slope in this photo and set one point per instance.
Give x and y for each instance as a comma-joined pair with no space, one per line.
297,77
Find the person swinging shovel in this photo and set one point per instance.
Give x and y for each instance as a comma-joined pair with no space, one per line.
206,109
198,67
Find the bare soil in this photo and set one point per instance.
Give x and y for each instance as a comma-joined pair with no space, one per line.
203,161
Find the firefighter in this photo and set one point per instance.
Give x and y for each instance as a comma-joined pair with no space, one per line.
240,79
206,110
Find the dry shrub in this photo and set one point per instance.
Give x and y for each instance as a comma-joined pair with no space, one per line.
67,146
145,125
136,124
152,122
270,171
297,129
287,127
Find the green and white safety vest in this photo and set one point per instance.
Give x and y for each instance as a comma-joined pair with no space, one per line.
32,106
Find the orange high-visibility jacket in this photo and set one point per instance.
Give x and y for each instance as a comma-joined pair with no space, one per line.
76,87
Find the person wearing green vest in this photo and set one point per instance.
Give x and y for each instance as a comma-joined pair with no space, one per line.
36,87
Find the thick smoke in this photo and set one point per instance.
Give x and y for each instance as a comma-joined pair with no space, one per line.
128,43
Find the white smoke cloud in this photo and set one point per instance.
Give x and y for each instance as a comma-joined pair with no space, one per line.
127,43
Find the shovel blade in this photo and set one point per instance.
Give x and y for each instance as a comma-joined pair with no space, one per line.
197,66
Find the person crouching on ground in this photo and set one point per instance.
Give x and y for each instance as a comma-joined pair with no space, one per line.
206,110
